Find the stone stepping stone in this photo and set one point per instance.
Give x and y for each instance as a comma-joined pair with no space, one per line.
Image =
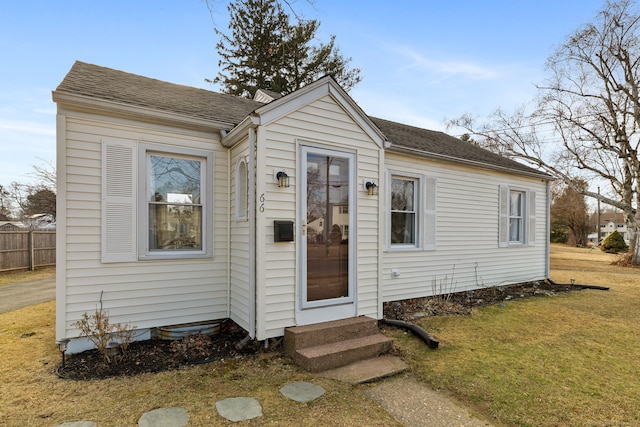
301,391
78,424
239,408
164,417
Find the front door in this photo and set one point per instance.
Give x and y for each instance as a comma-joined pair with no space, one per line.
327,279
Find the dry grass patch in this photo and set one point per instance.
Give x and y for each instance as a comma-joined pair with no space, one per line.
31,394
10,277
569,360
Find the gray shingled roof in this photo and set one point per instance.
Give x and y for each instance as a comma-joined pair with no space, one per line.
437,144
112,85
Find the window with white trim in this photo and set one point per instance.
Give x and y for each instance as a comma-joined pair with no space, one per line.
404,211
411,211
516,216
242,190
176,210
517,219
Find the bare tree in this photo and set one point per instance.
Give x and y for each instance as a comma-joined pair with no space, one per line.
5,204
45,174
569,210
590,103
26,199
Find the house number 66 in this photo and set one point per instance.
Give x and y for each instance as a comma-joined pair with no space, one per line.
262,199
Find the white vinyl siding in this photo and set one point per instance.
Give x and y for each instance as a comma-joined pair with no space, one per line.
466,253
240,240
144,294
322,123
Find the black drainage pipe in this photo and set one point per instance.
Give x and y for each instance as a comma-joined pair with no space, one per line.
578,286
415,330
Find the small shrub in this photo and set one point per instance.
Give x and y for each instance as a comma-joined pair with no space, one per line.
105,335
614,243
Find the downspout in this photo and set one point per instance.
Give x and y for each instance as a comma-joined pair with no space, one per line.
229,215
252,232
548,240
61,220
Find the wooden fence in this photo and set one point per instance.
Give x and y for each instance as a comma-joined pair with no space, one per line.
20,250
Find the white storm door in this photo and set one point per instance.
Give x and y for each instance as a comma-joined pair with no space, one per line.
327,249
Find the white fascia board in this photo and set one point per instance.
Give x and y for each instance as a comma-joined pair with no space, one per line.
239,132
87,103
325,86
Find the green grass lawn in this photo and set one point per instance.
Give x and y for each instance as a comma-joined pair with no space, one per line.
567,360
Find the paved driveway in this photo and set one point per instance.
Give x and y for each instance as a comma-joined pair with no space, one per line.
23,294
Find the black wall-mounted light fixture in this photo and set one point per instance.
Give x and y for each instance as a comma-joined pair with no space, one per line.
371,187
282,178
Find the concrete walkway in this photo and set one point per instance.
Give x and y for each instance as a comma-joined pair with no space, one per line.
24,294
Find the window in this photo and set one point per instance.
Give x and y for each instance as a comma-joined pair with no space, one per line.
176,209
516,217
412,211
242,191
517,222
404,213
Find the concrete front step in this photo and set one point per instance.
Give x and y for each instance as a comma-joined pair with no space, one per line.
301,337
336,354
368,370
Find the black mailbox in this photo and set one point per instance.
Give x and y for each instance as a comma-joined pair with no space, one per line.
283,231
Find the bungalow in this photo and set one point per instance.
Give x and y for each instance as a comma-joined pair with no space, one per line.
179,205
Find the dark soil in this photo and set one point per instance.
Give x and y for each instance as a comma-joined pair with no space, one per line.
461,303
156,355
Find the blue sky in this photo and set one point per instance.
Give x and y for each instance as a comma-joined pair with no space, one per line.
422,61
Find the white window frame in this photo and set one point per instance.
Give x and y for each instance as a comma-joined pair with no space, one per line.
146,150
241,190
418,209
527,217
520,217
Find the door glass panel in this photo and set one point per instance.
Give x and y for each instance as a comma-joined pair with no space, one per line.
327,227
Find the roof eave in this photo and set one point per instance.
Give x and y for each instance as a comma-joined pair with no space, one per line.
236,134
451,159
75,101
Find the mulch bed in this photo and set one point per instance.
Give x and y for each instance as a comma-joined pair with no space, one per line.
158,355
461,303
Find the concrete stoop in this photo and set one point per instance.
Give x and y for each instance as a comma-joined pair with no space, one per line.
330,345
367,371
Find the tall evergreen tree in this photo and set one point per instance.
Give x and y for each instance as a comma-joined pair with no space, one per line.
266,51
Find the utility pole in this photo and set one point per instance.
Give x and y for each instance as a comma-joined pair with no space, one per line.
598,225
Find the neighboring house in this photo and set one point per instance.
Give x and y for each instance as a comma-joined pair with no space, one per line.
11,226
40,222
180,205
610,222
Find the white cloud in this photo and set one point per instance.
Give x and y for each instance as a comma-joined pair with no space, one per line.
27,127
444,67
